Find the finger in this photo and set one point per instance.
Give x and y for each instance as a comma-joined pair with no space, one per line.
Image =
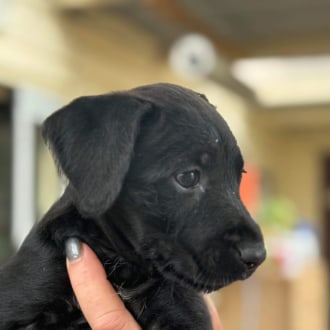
216,323
97,298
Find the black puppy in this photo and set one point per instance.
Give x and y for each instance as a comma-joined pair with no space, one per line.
154,177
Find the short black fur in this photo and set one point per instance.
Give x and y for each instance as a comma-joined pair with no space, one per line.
162,244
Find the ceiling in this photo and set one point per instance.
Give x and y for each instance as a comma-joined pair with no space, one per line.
239,30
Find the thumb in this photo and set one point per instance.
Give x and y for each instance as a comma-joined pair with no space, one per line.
98,300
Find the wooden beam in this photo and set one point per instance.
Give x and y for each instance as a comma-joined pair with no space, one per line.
84,4
289,45
172,10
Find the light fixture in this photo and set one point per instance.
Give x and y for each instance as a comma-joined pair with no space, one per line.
281,81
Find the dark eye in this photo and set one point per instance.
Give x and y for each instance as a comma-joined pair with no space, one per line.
188,179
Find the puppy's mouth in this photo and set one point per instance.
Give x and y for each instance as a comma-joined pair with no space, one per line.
201,282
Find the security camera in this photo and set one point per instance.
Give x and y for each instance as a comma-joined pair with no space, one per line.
193,56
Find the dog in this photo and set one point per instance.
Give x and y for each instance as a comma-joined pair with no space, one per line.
153,188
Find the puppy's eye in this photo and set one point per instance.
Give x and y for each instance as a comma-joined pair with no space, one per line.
188,179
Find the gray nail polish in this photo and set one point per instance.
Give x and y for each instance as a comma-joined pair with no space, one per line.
73,249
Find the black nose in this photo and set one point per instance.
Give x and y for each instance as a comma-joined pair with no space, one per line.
252,255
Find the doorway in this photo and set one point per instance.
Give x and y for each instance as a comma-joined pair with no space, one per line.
5,171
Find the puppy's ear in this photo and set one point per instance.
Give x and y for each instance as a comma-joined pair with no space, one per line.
92,140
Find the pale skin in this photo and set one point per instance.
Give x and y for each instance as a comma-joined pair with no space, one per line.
99,301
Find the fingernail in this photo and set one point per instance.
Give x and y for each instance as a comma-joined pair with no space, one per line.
73,249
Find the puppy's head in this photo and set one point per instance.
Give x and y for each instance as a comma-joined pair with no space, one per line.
160,165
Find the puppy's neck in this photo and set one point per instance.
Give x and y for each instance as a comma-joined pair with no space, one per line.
102,234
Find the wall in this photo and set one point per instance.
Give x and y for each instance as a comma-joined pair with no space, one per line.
291,153
73,55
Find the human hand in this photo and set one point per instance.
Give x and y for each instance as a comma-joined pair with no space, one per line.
216,323
99,302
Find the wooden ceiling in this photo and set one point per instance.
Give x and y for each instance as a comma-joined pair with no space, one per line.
238,28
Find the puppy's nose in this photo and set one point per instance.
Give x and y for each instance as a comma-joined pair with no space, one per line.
252,255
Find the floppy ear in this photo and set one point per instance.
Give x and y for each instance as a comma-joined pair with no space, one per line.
92,140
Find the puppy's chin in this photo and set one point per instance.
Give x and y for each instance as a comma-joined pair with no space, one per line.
199,281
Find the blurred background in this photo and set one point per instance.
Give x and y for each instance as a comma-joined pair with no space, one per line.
264,64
